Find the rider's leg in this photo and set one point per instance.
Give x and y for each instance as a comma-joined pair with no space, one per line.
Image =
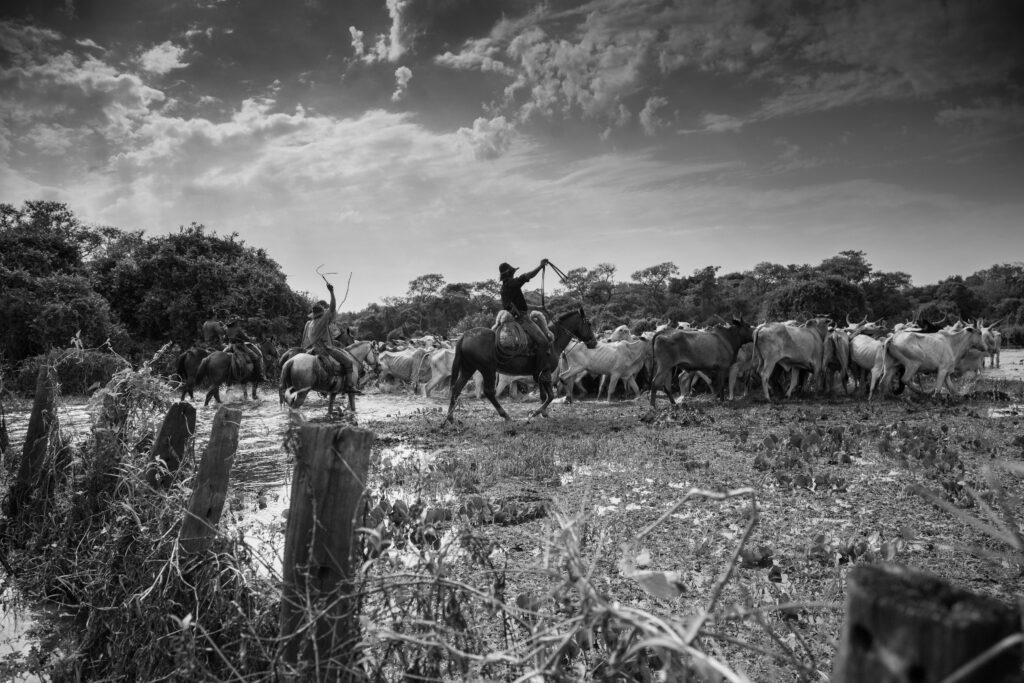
348,370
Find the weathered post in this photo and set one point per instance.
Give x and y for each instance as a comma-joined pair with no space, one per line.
905,626
169,445
211,484
331,466
37,440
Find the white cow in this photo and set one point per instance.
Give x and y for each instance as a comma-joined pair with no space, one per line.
793,347
937,352
619,360
406,366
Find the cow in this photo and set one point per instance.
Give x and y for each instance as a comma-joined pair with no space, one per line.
937,352
742,367
794,347
867,363
406,365
620,360
973,362
993,341
440,363
710,351
836,360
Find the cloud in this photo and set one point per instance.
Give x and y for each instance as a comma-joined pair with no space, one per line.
163,58
488,138
387,47
988,113
402,77
648,116
479,55
357,42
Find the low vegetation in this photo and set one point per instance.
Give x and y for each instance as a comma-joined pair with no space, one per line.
710,542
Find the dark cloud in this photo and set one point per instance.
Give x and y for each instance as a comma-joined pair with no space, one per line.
435,26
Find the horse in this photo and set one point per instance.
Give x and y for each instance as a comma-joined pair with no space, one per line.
219,368
476,351
187,367
271,355
365,352
303,373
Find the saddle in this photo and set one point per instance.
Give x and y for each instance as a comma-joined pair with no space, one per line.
241,362
510,339
330,370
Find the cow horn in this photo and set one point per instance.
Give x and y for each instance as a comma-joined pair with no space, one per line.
848,323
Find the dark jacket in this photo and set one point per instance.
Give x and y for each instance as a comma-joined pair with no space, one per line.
512,291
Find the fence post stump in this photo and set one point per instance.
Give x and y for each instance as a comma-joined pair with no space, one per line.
211,483
905,626
331,466
169,445
37,441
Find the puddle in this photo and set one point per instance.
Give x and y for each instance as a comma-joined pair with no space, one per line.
1013,410
21,630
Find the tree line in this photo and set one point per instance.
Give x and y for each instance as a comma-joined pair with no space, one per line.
64,282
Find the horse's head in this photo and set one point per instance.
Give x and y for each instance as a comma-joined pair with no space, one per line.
578,325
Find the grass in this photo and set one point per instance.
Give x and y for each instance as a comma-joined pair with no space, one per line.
708,542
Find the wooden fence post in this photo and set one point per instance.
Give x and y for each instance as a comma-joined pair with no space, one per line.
169,445
37,441
331,466
905,626
211,483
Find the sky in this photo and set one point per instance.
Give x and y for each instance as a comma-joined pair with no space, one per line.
389,139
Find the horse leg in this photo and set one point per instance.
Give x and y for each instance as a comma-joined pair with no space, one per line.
489,382
352,403
459,379
211,394
547,394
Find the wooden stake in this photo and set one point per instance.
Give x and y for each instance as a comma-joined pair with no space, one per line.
906,626
37,441
211,484
178,427
331,466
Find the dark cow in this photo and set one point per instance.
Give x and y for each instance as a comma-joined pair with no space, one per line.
712,352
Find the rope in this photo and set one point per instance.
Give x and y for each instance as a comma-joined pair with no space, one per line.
561,276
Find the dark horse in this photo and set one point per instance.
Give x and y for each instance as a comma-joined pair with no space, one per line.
187,367
475,351
217,368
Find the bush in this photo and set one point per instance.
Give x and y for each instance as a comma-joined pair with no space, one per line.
79,372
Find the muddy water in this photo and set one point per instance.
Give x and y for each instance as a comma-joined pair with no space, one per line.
258,497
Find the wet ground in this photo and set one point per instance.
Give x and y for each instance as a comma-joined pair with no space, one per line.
261,473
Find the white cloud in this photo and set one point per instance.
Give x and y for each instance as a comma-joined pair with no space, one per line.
163,58
387,47
649,120
488,138
357,42
402,77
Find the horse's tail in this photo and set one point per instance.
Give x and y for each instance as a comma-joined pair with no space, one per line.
456,365
286,390
203,370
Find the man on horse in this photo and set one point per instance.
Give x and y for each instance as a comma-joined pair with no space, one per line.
213,333
319,335
241,344
512,300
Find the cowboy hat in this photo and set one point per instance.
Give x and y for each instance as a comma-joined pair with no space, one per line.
505,269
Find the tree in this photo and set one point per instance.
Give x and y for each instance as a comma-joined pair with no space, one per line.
850,265
164,287
426,285
829,295
654,281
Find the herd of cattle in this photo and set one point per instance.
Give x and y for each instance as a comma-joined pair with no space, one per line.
817,355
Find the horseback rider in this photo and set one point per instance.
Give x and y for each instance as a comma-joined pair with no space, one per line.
512,300
213,333
318,338
241,343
